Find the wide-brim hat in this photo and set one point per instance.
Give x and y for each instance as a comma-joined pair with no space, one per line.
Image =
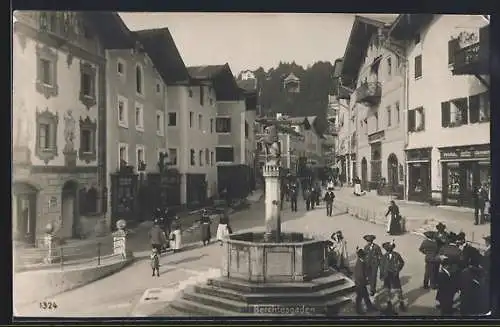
430,234
487,238
388,246
440,226
369,238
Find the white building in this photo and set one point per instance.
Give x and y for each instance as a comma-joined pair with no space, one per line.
448,144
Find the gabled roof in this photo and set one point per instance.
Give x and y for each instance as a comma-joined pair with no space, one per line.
291,77
362,30
161,48
222,79
407,25
111,29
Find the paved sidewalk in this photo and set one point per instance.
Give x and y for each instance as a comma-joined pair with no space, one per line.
420,217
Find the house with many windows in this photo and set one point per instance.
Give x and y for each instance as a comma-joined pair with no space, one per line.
59,118
374,72
448,143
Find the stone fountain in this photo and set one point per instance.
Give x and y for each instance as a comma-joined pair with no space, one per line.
270,273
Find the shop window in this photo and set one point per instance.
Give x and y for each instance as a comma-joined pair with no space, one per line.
46,63
87,85
453,180
47,123
88,129
223,125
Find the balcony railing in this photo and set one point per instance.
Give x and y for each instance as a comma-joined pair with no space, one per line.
473,59
369,92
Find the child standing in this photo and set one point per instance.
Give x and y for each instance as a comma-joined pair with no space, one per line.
155,262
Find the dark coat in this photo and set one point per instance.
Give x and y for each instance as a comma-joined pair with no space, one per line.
156,235
447,285
430,249
454,256
470,256
391,264
471,291
373,255
360,274
393,210
329,197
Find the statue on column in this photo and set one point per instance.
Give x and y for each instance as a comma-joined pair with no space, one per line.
271,145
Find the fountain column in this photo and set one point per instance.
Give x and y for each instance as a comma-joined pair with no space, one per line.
272,200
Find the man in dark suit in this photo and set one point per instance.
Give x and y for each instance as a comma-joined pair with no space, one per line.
391,265
329,197
373,256
471,284
447,286
429,248
360,282
470,255
294,193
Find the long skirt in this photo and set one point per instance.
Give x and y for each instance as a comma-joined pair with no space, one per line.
205,232
357,189
176,243
222,232
393,225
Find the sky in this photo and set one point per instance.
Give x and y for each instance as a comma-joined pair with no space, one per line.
247,41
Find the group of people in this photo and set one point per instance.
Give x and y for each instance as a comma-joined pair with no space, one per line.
223,229
453,266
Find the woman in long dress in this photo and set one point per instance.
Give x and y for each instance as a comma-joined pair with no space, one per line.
176,236
340,250
205,227
393,224
223,229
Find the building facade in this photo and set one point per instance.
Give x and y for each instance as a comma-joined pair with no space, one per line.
448,152
58,124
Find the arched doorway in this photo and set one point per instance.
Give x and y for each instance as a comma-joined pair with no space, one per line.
392,171
69,209
364,173
24,197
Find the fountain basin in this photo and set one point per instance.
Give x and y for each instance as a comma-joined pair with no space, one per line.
295,259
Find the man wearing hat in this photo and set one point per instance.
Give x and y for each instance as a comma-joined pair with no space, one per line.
360,281
447,287
441,231
391,265
329,197
429,248
470,255
373,256
294,193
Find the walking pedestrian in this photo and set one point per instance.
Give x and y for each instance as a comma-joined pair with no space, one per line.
391,265
373,257
157,236
480,197
307,198
205,223
318,192
361,281
393,224
329,197
223,229
429,248
294,193
176,236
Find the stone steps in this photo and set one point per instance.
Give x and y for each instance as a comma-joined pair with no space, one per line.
315,285
227,297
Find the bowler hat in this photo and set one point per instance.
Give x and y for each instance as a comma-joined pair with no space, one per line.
430,234
440,226
388,246
369,238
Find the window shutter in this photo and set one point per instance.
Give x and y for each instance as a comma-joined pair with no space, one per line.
453,46
445,114
474,108
411,120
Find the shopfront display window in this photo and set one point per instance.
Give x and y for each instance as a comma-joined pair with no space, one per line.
453,182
